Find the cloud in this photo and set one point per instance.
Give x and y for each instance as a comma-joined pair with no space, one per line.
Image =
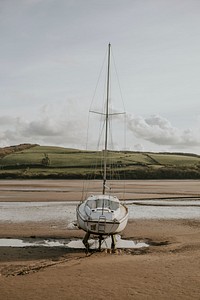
7,120
42,127
65,124
159,131
52,126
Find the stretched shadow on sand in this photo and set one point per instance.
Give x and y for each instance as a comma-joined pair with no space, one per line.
40,248
16,261
28,253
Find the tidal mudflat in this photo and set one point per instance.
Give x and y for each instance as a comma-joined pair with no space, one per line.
163,214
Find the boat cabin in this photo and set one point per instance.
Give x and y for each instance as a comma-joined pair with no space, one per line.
103,202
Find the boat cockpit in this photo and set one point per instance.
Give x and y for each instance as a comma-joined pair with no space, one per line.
103,203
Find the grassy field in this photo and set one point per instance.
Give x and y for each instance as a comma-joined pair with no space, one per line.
34,161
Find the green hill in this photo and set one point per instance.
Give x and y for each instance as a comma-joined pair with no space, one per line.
33,161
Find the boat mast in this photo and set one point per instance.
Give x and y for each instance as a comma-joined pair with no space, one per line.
107,117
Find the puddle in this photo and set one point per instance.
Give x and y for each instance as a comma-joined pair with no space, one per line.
75,244
18,243
106,244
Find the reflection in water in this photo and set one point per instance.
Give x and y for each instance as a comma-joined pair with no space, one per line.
106,244
77,244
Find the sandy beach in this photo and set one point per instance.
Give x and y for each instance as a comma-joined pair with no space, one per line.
168,269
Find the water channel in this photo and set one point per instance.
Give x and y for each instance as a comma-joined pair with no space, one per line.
19,212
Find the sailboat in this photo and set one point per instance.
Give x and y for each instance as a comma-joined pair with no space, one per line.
103,214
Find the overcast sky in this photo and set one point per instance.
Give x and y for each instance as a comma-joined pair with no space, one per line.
51,53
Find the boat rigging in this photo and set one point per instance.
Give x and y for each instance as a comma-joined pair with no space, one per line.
102,215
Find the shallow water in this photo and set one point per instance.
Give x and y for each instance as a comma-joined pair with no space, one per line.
165,202
17,212
76,244
163,212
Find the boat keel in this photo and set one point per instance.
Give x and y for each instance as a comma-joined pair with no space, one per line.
101,238
85,241
113,242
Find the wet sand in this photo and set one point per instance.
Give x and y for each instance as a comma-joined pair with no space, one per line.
168,269
70,190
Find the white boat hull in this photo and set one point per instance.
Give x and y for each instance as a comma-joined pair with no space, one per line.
101,225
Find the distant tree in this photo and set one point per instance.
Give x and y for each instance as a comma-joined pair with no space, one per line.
45,160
